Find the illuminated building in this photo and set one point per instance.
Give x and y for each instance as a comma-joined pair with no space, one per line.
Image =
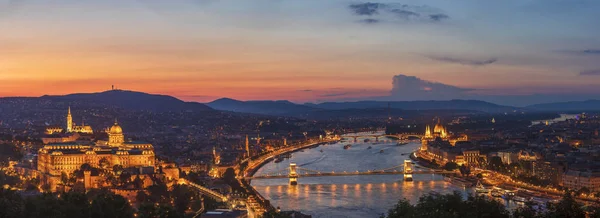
71,127
55,159
575,179
439,146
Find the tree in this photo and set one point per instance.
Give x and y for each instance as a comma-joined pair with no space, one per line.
181,198
583,190
107,204
402,209
142,197
496,164
449,205
566,207
526,211
11,204
64,178
149,210
104,163
450,166
74,204
117,169
464,170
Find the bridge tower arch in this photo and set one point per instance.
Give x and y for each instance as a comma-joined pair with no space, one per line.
293,175
408,170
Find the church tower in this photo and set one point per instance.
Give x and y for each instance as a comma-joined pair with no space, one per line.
247,147
69,121
216,156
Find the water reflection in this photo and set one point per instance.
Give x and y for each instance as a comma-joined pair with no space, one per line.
347,196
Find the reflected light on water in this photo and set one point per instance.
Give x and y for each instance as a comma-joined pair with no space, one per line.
352,196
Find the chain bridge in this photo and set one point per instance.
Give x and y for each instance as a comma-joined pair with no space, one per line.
377,136
294,172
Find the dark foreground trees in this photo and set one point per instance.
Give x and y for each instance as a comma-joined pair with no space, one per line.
68,205
453,205
450,206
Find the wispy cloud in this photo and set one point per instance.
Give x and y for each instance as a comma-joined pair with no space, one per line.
582,52
367,8
438,17
335,94
392,11
369,21
590,72
591,51
463,61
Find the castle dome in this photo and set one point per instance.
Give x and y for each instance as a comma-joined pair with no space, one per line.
116,129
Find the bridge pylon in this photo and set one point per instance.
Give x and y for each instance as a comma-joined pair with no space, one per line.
408,171
293,175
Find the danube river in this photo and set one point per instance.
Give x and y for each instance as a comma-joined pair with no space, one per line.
351,196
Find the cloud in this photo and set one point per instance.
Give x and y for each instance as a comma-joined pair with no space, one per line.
404,13
463,61
591,51
413,88
369,21
306,90
367,8
335,94
590,72
438,17
392,11
582,52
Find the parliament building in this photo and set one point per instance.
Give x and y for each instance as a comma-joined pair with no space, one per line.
56,158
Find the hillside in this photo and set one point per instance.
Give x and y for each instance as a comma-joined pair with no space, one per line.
473,105
574,106
133,100
260,107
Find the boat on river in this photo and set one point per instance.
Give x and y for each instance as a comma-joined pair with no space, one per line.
402,143
497,192
279,159
381,151
479,188
347,146
459,182
369,147
508,194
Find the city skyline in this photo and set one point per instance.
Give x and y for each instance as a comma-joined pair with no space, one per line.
303,51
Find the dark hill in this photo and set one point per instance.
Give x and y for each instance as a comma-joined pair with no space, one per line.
473,105
260,107
133,100
574,106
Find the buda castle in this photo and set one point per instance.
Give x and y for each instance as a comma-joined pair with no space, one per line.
56,158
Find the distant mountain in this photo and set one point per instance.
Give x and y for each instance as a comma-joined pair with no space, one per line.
260,107
287,108
580,106
133,100
382,113
473,105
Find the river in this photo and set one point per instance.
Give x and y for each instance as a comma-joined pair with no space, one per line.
562,117
349,196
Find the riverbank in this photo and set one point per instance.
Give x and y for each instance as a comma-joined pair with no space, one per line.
250,171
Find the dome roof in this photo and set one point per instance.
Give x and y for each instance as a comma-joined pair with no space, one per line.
115,129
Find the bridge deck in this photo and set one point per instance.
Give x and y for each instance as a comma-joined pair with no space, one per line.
350,174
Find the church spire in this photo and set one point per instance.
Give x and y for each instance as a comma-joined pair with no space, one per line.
69,120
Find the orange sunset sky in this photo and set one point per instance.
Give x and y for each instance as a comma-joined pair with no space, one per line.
303,51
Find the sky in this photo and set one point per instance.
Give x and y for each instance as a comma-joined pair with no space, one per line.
303,50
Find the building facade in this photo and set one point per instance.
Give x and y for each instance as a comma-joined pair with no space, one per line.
55,159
